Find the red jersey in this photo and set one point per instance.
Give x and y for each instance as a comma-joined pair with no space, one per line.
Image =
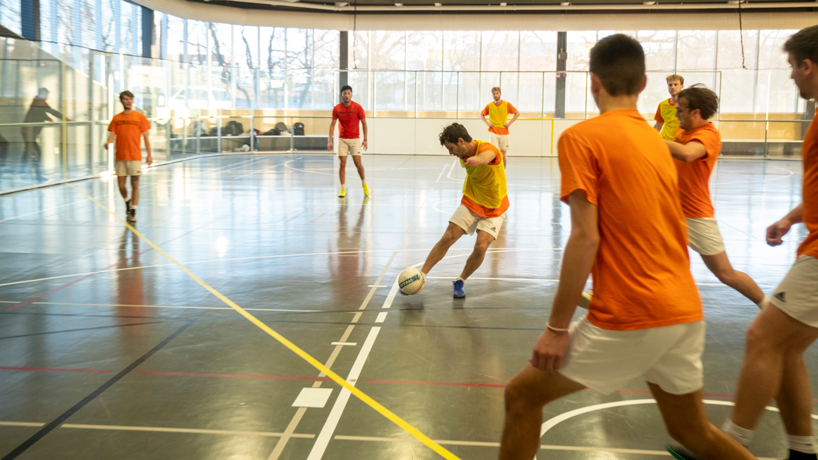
348,119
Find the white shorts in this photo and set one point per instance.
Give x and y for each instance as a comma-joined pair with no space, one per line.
704,236
500,141
464,218
128,168
349,146
605,361
797,295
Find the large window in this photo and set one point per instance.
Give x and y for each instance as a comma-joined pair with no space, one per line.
10,15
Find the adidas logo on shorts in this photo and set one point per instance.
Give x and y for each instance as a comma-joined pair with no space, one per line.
782,296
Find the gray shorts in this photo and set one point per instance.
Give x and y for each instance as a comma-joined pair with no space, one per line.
797,295
704,236
128,168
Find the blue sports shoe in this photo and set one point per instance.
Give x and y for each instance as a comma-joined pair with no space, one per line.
459,290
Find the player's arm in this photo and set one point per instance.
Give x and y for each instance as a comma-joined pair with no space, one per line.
513,119
658,126
331,133
147,139
688,153
577,261
780,228
485,120
111,137
364,143
481,159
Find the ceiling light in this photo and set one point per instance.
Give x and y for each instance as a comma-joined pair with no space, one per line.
503,4
648,3
398,4
438,4
565,3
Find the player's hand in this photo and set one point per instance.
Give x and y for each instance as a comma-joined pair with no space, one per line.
506,125
549,351
149,160
472,161
106,145
776,231
488,123
364,144
329,146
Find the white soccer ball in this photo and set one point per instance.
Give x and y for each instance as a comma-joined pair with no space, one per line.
411,281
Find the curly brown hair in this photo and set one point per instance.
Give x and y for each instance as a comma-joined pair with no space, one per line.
700,98
453,133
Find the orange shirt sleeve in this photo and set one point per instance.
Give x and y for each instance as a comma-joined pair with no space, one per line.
485,110
511,108
658,116
145,125
111,125
486,146
710,142
335,113
577,168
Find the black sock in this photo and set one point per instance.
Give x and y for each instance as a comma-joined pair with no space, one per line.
795,455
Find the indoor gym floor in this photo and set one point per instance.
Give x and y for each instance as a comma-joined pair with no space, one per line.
109,350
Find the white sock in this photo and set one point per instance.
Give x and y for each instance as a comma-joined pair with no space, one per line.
802,444
460,279
742,435
363,182
133,206
343,187
763,302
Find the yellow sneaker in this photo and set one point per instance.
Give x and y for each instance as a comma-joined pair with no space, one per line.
343,193
366,190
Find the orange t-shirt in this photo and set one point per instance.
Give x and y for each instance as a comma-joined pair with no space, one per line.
694,177
486,183
641,273
128,128
809,152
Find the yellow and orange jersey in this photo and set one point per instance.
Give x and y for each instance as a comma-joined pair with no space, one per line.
498,116
485,189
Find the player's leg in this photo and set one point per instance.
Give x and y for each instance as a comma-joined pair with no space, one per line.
705,238
504,148
525,395
450,236
484,239
122,182
686,421
775,344
343,150
134,191
359,165
720,265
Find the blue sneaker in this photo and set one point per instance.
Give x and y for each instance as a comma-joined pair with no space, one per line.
459,290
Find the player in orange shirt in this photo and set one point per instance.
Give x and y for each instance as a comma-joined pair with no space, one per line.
645,317
774,364
484,202
498,111
127,127
697,145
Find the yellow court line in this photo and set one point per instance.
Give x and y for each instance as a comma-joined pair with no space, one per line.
295,349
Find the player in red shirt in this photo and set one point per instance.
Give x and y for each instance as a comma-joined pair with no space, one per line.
349,114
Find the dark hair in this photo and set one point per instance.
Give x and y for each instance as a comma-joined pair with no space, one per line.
803,45
453,133
619,63
346,87
125,93
700,98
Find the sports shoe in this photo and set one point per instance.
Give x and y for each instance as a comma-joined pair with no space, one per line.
795,455
366,190
127,207
680,453
342,193
132,215
459,289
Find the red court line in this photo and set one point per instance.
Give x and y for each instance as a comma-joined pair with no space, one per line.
322,215
237,376
293,217
54,369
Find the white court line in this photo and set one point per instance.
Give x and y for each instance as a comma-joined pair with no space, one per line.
258,171
34,424
451,170
381,317
181,430
161,306
345,344
325,435
438,177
